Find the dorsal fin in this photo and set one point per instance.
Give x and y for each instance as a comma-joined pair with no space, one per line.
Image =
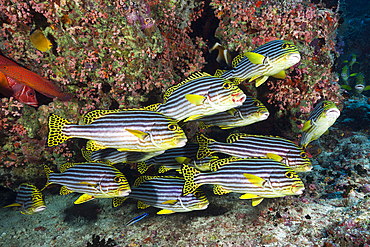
90,117
215,165
194,76
65,166
237,60
152,107
234,137
142,179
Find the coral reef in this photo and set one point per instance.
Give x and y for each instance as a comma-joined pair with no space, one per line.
245,25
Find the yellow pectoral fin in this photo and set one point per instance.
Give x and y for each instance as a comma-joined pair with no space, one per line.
231,111
84,198
255,57
92,185
280,75
274,157
261,80
170,202
193,118
139,134
195,99
248,196
13,205
256,201
367,88
183,160
306,125
166,211
255,180
326,132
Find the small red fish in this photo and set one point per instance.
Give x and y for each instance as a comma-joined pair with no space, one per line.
34,81
10,87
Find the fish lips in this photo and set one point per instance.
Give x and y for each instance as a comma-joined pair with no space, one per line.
122,193
294,58
333,112
39,209
238,98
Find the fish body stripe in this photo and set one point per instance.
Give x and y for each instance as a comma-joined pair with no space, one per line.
216,98
272,50
114,156
260,146
155,192
231,177
111,131
99,180
250,112
170,155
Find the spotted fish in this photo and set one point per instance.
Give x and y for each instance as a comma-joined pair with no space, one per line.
244,145
255,178
124,130
30,199
250,112
319,121
200,95
93,180
270,59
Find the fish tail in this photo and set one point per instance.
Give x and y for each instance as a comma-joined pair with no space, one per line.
48,171
56,125
204,150
189,173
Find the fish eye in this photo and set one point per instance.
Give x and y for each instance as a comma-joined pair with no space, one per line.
30,94
289,174
118,179
227,85
303,155
286,46
172,127
196,194
256,103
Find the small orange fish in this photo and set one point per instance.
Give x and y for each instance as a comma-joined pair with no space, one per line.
34,81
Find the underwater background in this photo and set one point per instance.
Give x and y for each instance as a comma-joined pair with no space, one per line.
125,54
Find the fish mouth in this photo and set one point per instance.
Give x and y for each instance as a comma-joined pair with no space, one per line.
298,189
359,87
264,116
333,112
238,98
294,58
39,209
123,193
181,141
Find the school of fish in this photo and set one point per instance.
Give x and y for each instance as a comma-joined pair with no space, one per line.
255,166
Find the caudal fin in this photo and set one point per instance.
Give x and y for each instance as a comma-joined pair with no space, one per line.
204,150
190,186
56,125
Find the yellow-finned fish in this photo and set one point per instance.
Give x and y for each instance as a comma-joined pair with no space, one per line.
93,180
270,59
360,84
351,60
165,192
319,121
255,178
245,145
200,95
250,112
345,75
39,40
124,130
30,199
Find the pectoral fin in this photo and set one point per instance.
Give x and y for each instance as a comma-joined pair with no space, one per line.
255,57
274,157
306,125
139,134
255,180
195,99
170,202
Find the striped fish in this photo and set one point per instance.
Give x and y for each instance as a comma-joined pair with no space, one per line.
165,192
244,146
319,121
30,199
93,180
113,156
270,59
200,95
124,130
170,159
255,178
250,112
